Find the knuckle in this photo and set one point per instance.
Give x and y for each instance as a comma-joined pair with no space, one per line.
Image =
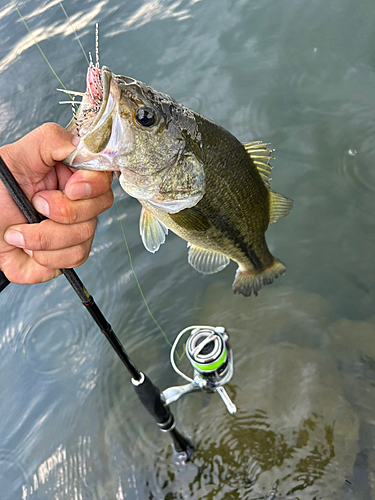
44,259
108,179
79,255
66,214
88,229
40,241
49,128
108,201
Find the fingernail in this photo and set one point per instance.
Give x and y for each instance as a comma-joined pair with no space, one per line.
29,252
79,190
76,140
14,238
41,205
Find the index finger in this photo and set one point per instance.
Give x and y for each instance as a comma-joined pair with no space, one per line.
85,184
56,206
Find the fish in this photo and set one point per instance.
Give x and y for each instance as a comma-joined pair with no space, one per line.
190,175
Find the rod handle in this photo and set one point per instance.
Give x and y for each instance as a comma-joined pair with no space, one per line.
149,395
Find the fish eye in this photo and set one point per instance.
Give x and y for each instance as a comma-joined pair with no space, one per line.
145,117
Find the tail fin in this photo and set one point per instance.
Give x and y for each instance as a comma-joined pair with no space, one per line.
247,282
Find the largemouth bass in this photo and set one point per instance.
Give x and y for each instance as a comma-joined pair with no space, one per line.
190,175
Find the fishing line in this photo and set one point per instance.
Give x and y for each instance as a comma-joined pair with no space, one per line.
180,357
75,33
117,208
136,279
37,44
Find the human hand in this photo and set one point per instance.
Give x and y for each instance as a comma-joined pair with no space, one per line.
34,253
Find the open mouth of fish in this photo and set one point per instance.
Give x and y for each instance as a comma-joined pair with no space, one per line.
104,134
94,102
93,122
107,139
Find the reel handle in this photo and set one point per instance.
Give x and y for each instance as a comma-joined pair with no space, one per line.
231,407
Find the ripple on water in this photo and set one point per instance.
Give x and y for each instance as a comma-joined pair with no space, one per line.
196,102
55,342
294,435
357,164
12,476
65,474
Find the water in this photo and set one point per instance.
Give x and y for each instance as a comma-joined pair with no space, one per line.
297,74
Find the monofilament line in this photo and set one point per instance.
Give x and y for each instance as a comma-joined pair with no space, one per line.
36,43
136,279
75,33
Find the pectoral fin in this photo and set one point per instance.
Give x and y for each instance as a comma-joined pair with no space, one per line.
152,231
206,261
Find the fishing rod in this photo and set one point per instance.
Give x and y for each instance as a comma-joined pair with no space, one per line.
207,348
4,282
148,393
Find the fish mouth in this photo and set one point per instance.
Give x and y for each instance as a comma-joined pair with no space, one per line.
95,121
94,101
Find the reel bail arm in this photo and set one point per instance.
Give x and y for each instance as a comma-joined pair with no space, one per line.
211,356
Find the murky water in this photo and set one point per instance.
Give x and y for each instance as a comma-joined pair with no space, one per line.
300,75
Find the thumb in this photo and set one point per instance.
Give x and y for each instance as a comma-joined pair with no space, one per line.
37,152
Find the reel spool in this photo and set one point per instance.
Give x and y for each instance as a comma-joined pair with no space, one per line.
207,351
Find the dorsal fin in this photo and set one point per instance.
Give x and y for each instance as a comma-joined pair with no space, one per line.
261,155
280,206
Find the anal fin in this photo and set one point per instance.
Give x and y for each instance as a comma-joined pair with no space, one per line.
206,261
152,231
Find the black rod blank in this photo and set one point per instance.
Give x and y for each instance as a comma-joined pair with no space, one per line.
33,217
4,282
147,392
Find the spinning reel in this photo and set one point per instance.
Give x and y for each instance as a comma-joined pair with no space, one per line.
211,357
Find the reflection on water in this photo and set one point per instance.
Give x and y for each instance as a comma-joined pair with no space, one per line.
286,73
79,20
12,476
